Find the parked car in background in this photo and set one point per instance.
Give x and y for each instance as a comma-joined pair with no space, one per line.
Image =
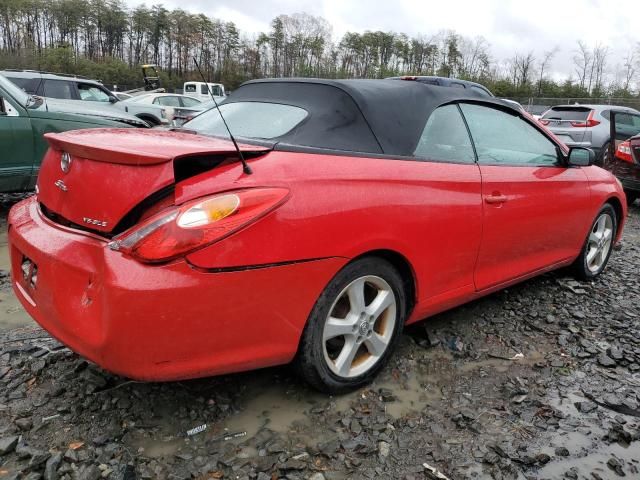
588,126
437,196
24,119
184,114
447,82
171,102
626,166
203,91
76,89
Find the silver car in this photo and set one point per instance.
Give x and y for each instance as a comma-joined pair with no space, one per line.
588,125
83,91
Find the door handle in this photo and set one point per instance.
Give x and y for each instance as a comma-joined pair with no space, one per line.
496,198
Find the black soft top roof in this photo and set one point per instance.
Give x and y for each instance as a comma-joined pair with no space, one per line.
368,116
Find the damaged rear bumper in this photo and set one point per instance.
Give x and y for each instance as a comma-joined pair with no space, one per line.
158,322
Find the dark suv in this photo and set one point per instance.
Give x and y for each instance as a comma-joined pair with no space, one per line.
447,82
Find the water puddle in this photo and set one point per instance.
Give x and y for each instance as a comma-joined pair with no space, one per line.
12,315
276,407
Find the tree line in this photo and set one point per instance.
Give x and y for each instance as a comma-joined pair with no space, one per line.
107,40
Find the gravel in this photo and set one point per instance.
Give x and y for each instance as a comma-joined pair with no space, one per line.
457,398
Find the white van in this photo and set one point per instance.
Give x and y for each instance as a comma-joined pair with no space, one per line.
200,91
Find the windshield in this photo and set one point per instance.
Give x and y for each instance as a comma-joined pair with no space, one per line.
14,91
249,119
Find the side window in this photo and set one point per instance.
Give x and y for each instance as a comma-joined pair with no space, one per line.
190,88
204,89
636,121
624,119
169,101
189,102
445,137
91,93
29,85
504,139
58,89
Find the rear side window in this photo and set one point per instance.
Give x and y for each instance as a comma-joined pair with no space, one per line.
57,89
567,114
249,119
191,88
445,137
189,102
501,138
167,101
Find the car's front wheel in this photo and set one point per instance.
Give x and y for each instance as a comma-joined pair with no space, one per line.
598,245
353,326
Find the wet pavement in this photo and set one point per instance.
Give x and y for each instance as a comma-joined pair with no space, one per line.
540,381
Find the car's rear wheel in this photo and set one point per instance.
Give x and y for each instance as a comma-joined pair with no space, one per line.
604,158
598,245
353,327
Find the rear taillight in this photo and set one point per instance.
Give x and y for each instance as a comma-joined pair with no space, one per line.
180,230
589,122
624,152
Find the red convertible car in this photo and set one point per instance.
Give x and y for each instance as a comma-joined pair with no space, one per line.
364,205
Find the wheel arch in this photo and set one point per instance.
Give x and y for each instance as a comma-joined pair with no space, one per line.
149,119
404,267
619,209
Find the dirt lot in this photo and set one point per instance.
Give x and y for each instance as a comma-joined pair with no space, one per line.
539,381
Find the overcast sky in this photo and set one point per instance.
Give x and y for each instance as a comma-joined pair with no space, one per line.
510,26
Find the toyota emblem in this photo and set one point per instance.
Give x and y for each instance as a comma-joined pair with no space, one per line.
65,162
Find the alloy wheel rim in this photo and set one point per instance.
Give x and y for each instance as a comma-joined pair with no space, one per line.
359,327
599,242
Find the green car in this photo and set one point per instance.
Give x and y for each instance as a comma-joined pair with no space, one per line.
24,119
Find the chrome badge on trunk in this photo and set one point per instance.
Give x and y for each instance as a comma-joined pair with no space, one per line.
92,221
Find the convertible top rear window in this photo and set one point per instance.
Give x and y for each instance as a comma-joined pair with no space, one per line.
250,119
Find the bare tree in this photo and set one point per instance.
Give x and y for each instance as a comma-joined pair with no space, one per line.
523,68
630,64
544,64
582,61
474,57
600,54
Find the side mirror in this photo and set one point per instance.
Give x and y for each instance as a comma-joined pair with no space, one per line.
113,99
581,157
3,109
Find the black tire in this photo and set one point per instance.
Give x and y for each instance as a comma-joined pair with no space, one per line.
581,267
632,196
150,120
312,362
603,159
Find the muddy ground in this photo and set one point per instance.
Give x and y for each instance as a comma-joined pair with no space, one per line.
539,381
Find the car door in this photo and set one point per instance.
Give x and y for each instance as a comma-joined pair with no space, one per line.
453,203
16,142
536,210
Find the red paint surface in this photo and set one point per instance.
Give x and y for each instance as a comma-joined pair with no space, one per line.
464,230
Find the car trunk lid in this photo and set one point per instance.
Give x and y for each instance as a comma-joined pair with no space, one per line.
114,172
